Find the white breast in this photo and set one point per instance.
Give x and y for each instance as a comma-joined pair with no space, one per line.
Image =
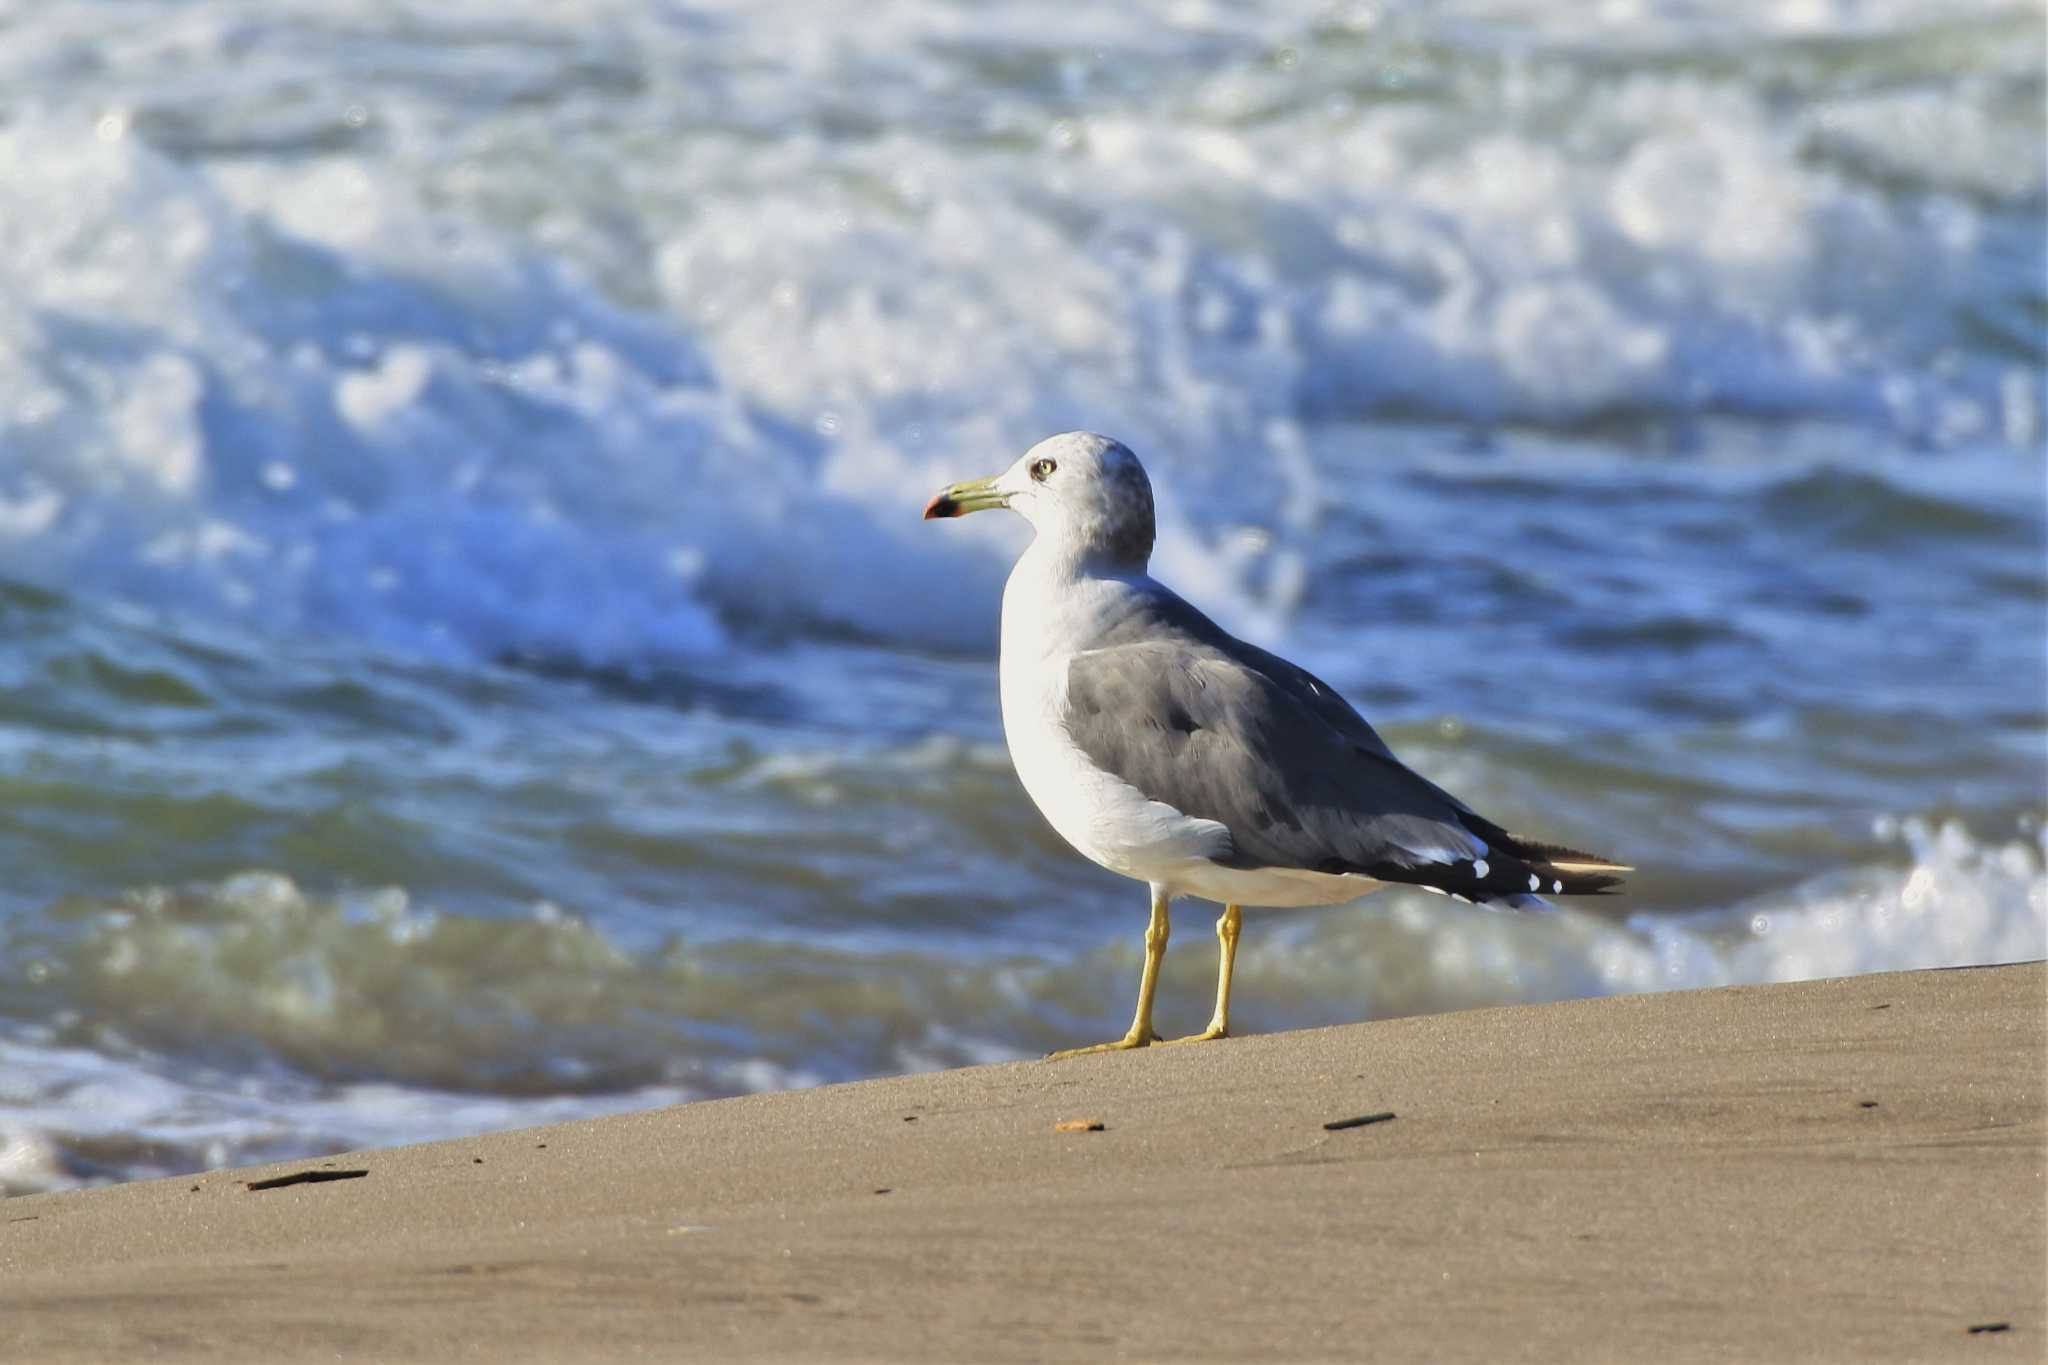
1101,815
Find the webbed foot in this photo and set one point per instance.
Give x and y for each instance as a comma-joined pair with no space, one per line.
1135,1038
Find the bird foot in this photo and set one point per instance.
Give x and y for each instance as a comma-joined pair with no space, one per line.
1207,1035
1130,1040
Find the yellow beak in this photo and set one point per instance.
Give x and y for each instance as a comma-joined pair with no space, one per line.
975,495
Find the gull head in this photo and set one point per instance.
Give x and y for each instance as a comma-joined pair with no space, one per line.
1084,492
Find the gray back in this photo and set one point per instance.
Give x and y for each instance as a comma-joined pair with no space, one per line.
1222,730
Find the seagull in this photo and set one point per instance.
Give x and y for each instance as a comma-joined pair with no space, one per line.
1168,751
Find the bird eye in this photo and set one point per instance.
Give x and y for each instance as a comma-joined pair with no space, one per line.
1041,470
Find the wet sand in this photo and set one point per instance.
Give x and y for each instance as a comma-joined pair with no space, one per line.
1840,1170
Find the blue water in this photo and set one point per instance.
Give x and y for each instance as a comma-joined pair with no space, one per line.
468,650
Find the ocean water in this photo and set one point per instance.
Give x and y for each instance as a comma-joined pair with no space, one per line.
468,651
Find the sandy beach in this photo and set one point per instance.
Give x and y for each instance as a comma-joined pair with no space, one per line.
1839,1170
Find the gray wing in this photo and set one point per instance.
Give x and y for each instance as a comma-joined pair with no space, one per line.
1225,731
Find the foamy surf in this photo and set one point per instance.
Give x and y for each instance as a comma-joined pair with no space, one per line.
472,1025
364,385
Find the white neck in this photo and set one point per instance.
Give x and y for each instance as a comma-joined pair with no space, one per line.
1056,589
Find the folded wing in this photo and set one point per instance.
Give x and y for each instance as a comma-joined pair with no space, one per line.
1224,731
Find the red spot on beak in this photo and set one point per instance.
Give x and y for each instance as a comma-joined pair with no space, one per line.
941,506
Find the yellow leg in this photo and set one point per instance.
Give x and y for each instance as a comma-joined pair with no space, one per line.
1141,1034
1226,934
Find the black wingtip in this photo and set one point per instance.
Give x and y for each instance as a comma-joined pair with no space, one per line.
1566,871
1514,872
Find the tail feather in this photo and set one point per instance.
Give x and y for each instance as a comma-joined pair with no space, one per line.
1569,871
1536,852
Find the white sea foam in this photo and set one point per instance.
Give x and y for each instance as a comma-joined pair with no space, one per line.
1958,902
1961,903
478,366
69,1115
255,963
